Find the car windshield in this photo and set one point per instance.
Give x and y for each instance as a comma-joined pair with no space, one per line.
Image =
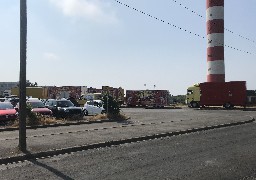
95,103
99,104
64,104
2,99
36,104
4,106
14,100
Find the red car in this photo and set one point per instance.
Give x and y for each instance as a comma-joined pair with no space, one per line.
37,107
7,111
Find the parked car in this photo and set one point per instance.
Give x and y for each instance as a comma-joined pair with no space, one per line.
2,99
12,100
63,108
37,106
7,111
94,107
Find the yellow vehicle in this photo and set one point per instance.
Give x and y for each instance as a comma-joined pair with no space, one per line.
193,96
35,92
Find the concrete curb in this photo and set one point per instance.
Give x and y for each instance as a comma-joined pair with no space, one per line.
55,152
163,107
223,109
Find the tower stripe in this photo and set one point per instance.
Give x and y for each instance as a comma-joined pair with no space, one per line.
215,40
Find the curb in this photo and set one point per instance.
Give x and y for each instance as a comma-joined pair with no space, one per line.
68,150
163,107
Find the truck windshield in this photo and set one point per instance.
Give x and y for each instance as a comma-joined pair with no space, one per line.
189,92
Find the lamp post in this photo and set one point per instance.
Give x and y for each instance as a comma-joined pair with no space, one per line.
22,84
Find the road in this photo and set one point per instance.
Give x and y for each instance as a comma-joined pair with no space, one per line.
143,122
225,153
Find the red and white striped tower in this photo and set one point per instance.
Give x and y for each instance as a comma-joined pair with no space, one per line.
215,40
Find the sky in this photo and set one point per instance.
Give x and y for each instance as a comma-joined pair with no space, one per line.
98,43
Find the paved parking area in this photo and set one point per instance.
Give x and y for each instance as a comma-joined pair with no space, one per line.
142,122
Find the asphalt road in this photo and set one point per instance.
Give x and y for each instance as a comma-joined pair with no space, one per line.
226,153
143,122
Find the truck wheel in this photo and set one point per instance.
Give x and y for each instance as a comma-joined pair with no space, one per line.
194,104
227,106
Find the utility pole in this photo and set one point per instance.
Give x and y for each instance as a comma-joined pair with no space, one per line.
22,84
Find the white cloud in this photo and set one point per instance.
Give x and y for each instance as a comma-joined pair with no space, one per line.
51,56
94,10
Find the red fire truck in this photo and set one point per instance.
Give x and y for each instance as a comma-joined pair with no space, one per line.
146,98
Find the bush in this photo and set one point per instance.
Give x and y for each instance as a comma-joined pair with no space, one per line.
111,105
32,118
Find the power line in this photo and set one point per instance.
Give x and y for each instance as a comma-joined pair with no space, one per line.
247,52
179,28
163,21
228,30
188,9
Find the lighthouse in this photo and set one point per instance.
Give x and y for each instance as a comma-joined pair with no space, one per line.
215,40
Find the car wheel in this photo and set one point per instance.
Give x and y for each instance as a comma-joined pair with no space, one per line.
85,112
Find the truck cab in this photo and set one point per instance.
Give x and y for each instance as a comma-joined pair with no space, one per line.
193,96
